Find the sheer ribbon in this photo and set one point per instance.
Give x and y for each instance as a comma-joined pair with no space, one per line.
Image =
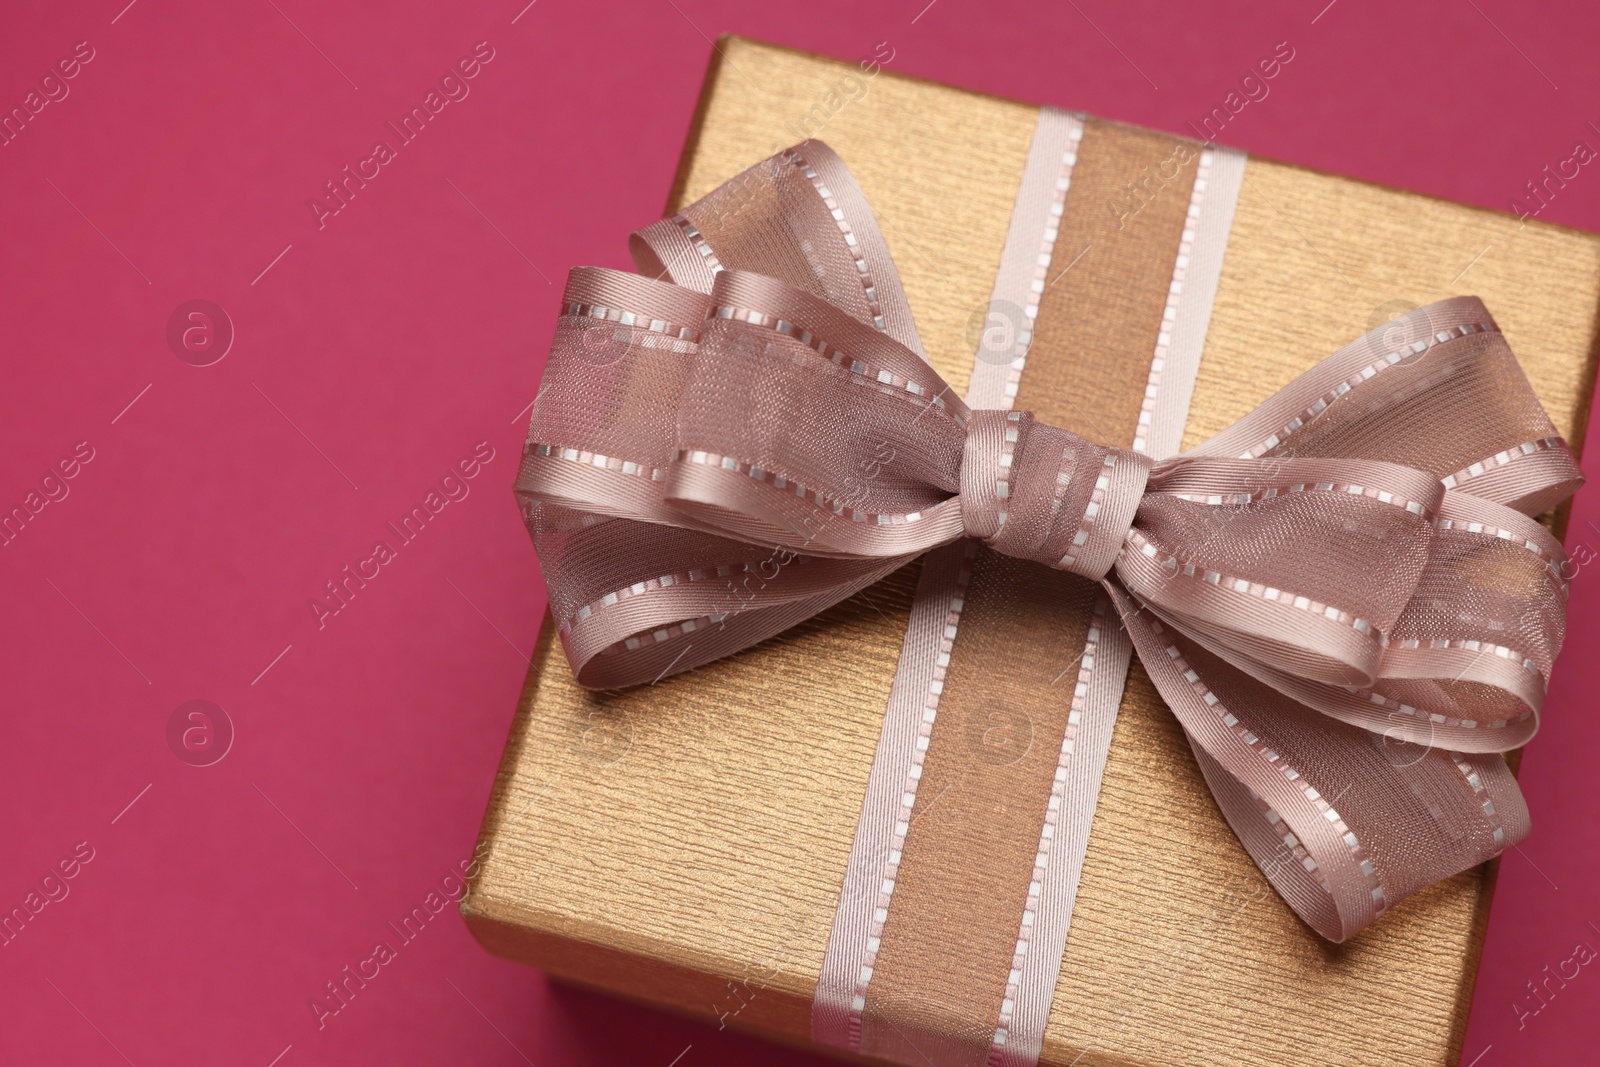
1346,587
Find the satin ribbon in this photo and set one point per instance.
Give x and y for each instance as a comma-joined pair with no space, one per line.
1345,585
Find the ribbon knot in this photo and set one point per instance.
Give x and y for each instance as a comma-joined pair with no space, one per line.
1040,493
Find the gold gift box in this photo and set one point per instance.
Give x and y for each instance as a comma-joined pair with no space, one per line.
684,843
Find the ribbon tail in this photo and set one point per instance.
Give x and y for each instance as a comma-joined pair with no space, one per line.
1344,822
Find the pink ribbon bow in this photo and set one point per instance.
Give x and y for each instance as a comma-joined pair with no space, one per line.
1348,577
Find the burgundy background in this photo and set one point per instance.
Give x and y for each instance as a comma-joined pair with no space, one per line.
378,350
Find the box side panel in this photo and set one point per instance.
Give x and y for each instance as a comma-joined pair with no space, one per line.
740,1002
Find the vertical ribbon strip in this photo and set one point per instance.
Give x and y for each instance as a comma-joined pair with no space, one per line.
999,723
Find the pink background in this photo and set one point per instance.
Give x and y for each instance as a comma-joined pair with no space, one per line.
374,353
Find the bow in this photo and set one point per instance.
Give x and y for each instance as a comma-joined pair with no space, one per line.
1347,579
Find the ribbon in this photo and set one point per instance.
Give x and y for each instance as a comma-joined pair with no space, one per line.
1346,585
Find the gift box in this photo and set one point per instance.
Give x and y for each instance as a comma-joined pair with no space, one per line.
685,843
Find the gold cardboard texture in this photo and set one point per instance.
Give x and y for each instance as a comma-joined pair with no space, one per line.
684,843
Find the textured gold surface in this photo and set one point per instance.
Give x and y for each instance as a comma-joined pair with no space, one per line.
684,843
